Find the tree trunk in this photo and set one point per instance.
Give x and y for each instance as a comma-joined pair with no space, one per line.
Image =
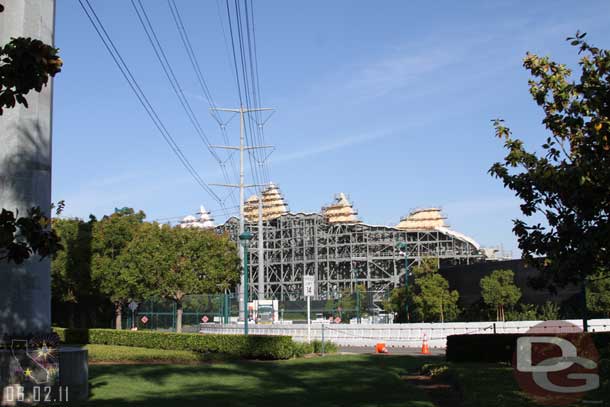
442,313
178,316
118,315
585,311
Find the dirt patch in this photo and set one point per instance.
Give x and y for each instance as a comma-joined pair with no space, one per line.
441,389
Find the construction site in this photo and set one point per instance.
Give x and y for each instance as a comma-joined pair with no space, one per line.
336,247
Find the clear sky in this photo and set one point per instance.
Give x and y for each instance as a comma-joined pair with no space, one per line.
387,101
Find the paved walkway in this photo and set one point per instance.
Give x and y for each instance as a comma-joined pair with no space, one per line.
391,351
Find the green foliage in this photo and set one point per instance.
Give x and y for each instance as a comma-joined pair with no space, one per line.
429,297
22,237
523,312
26,65
396,302
175,262
432,300
243,346
71,268
549,311
598,294
329,347
122,354
110,237
569,183
425,267
499,290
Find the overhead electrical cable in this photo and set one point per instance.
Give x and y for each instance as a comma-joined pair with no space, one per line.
141,96
174,83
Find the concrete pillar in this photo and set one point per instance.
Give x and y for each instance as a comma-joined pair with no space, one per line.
25,175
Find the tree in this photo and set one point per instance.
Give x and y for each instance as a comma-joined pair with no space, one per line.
71,268
428,296
396,302
176,262
25,65
499,291
569,181
433,300
110,237
598,294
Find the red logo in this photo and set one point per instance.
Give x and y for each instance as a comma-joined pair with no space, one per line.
144,319
204,319
556,363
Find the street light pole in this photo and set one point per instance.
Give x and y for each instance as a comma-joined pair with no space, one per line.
403,247
245,241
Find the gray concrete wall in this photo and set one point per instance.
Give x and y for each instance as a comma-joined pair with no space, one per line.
25,174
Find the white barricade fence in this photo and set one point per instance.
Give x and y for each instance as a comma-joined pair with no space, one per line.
399,335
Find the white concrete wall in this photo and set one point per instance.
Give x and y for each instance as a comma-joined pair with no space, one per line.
397,335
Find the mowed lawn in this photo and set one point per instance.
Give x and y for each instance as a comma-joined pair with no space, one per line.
339,380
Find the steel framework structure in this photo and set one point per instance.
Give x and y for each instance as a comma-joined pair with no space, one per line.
341,255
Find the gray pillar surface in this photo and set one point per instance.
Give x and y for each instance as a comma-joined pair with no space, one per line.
25,175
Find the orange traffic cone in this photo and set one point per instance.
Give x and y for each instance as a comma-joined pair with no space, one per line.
380,348
425,350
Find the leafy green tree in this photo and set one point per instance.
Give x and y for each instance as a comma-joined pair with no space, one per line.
428,296
177,262
433,300
110,237
568,182
598,294
549,311
396,304
499,291
71,268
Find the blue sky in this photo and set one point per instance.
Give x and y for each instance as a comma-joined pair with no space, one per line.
387,101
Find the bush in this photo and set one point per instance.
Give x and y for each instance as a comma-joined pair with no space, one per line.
248,347
499,347
329,347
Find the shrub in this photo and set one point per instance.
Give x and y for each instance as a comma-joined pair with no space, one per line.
248,347
329,347
499,347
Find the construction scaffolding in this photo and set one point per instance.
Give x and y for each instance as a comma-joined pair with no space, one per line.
341,251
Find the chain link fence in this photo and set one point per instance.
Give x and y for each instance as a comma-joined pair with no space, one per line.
161,314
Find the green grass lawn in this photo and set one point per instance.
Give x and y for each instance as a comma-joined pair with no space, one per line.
181,378
484,384
354,380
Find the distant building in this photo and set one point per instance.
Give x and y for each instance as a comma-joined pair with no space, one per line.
339,249
203,221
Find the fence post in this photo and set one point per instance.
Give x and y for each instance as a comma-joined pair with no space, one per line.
494,328
174,316
322,338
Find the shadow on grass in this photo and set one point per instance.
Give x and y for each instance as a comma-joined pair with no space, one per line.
362,380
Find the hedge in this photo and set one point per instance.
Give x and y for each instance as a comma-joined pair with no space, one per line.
247,347
500,347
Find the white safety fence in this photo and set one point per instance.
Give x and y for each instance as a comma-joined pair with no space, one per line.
400,335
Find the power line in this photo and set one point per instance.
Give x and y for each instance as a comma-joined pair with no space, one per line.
184,36
141,96
174,83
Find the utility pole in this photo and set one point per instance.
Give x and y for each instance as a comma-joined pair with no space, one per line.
261,251
242,185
